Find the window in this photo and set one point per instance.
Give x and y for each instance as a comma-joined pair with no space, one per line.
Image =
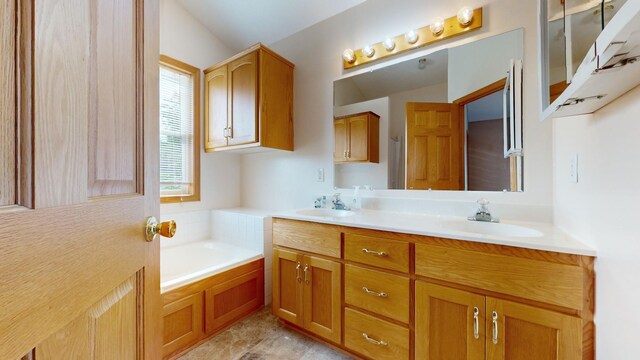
179,131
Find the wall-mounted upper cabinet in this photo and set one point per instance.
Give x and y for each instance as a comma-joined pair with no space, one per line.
589,54
357,138
249,102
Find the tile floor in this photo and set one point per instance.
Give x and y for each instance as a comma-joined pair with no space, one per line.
261,337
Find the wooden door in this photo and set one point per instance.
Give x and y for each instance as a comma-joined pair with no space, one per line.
434,141
449,323
287,286
340,136
322,293
79,281
358,138
243,99
216,103
523,332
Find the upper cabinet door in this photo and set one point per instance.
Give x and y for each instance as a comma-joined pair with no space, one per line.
216,103
358,138
517,331
243,100
340,138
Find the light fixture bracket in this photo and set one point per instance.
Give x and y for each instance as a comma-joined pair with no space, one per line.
452,28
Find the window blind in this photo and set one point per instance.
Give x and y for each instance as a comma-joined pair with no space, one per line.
176,132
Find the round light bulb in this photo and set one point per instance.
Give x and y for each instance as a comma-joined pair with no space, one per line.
389,44
465,16
349,56
411,37
437,26
369,51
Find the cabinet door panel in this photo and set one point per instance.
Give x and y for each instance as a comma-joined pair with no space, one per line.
445,324
243,101
340,138
359,138
523,332
216,108
287,286
322,297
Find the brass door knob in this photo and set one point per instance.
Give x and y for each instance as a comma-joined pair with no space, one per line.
153,228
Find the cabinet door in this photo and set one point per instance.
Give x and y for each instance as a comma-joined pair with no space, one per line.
340,139
322,315
243,100
449,323
358,138
524,332
216,99
287,286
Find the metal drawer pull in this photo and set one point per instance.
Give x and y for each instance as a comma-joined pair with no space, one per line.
298,278
374,341
376,253
306,269
476,323
378,294
494,321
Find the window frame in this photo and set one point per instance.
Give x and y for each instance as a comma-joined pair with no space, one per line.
194,72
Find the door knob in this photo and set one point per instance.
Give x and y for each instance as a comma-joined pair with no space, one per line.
153,228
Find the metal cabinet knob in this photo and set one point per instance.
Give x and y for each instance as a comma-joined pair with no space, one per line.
153,228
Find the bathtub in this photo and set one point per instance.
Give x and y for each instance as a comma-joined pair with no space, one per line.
190,262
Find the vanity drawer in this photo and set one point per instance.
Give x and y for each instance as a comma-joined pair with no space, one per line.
307,236
359,325
384,253
544,281
385,294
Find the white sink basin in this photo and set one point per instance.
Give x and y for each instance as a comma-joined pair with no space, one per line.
493,229
326,212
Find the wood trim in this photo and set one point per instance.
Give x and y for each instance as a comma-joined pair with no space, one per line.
25,109
258,46
196,75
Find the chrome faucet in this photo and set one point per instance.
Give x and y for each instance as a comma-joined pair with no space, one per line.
483,213
338,204
320,202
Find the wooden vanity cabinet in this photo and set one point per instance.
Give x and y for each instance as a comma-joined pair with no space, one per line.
458,324
249,102
418,297
357,138
307,292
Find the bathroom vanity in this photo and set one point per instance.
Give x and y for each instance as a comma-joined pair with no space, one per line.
385,285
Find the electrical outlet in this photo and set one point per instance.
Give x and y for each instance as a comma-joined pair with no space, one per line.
573,169
320,175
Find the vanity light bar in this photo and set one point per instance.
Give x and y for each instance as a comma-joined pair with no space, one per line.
402,43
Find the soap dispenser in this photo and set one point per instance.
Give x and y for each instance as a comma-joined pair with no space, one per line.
357,200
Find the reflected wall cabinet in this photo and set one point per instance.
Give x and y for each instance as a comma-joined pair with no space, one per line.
357,138
249,102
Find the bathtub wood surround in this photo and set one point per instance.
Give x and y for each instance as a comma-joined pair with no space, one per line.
78,278
249,102
392,295
197,311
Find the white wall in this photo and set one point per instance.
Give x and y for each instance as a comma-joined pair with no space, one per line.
376,175
182,37
602,211
277,180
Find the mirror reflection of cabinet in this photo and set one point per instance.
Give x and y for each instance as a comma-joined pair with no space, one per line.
357,138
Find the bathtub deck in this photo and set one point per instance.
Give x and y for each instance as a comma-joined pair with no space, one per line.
261,337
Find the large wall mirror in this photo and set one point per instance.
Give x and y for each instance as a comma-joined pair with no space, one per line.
450,120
